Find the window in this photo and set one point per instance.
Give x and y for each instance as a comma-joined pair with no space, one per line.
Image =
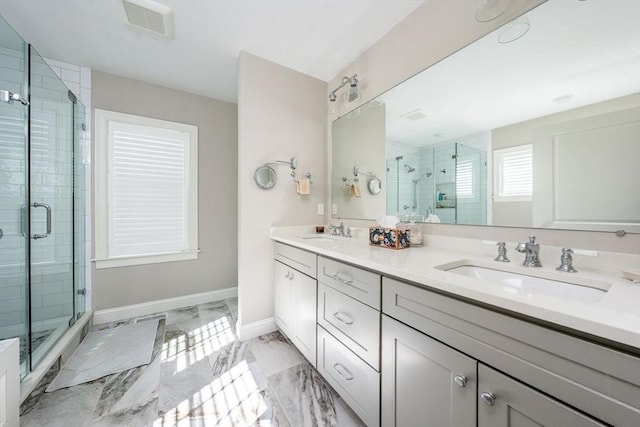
513,172
146,205
464,179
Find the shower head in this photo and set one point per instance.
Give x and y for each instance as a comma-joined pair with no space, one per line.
408,168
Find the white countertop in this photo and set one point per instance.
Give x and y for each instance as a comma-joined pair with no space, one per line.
615,318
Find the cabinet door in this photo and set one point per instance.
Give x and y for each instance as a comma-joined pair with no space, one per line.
305,315
424,382
285,298
504,402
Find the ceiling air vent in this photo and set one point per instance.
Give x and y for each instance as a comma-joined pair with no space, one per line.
414,115
149,15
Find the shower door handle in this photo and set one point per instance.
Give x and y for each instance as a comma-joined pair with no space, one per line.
48,209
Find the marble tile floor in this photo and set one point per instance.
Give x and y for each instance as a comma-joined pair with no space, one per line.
200,375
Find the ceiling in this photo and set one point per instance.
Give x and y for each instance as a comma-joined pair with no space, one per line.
575,53
318,38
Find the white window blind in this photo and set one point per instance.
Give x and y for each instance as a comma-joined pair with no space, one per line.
514,173
464,179
146,190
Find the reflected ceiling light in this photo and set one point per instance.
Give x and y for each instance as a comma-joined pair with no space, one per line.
438,135
514,30
488,10
374,104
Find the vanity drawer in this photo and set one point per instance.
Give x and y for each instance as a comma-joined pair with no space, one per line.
598,380
303,261
356,382
353,281
355,324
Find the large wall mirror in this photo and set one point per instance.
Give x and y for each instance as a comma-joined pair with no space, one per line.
535,125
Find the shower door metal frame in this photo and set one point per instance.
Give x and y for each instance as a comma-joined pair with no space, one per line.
31,204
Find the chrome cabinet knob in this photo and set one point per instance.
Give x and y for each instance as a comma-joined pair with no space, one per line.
488,398
461,380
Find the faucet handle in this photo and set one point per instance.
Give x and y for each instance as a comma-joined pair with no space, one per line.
566,260
532,240
502,253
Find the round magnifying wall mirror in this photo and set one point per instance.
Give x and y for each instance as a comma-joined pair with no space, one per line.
374,185
265,177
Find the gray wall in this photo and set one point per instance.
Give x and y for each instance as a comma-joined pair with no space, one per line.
216,266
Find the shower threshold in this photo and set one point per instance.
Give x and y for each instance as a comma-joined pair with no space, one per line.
67,341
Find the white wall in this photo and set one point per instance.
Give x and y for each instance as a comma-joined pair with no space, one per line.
215,268
281,113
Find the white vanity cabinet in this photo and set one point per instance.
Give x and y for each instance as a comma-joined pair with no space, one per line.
427,383
527,374
403,354
504,402
349,335
424,382
295,297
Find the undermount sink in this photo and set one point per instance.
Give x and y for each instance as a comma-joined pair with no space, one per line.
528,285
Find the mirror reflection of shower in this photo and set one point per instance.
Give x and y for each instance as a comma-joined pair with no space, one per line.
415,182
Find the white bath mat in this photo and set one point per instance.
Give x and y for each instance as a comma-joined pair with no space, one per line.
107,352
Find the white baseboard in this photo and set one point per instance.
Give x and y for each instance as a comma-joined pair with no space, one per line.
151,307
255,329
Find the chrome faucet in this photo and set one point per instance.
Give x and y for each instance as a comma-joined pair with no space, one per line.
531,250
337,230
565,261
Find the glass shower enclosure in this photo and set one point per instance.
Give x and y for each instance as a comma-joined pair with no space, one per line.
448,180
41,201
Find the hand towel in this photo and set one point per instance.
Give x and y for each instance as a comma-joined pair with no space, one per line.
356,190
302,186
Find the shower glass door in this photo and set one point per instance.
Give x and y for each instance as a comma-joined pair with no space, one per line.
14,244
51,152
471,185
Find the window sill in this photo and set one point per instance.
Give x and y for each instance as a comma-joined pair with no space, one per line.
145,259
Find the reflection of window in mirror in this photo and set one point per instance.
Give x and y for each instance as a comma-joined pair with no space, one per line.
513,174
464,179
